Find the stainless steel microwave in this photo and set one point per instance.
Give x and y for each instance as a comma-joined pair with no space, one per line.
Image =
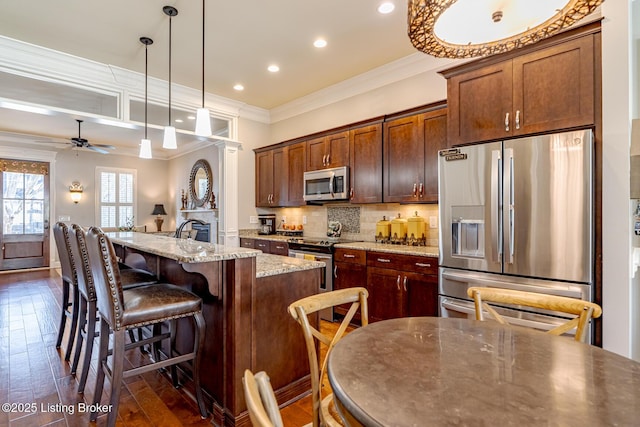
326,184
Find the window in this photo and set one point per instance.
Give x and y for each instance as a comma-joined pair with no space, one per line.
116,197
23,199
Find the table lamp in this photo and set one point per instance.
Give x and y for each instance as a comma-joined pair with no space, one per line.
159,210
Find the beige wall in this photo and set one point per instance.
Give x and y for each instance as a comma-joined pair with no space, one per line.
252,135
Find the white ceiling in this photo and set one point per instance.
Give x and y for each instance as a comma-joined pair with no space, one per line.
242,39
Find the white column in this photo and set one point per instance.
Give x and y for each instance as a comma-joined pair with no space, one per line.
228,193
616,222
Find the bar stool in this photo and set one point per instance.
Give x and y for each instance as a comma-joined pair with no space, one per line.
121,310
88,312
69,287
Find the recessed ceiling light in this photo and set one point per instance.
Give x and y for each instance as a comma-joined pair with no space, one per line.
238,87
320,43
179,120
191,117
386,7
273,68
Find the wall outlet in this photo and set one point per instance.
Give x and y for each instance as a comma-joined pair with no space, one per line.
284,219
304,219
433,222
253,219
64,218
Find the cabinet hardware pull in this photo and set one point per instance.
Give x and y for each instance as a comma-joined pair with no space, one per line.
335,271
385,260
351,193
415,190
421,190
517,119
328,159
398,282
404,283
422,264
506,122
349,256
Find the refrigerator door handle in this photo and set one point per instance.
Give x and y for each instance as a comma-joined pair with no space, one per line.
510,192
496,172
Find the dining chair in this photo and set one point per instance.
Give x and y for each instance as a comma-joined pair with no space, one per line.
121,310
261,400
70,293
88,312
324,413
583,311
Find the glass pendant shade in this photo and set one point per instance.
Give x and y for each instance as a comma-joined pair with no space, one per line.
203,122
145,149
475,28
169,140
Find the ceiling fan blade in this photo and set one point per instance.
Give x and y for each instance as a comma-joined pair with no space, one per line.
96,149
108,147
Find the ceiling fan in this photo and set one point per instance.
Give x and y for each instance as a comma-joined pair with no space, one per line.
81,142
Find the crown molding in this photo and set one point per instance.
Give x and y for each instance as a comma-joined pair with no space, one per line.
392,72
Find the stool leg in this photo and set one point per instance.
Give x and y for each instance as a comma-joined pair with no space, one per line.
74,322
155,347
174,372
198,342
82,324
92,312
117,370
103,353
63,316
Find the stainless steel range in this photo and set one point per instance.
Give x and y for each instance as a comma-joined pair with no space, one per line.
319,250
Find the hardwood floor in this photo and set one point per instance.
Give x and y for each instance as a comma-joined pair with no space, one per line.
35,378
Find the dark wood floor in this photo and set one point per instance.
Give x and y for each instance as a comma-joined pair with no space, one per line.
33,372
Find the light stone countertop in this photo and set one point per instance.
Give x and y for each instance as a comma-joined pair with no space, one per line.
182,250
271,265
426,251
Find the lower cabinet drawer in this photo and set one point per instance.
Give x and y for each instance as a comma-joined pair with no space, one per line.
413,263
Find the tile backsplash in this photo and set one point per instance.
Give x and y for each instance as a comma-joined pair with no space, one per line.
358,222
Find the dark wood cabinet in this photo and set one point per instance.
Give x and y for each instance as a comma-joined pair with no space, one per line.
401,285
411,146
349,270
270,177
328,151
545,89
247,243
365,161
295,174
274,247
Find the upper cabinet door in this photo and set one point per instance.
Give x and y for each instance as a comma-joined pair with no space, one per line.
434,126
554,88
480,103
403,159
365,155
329,151
264,178
295,177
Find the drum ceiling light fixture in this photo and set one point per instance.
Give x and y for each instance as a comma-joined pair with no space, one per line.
476,28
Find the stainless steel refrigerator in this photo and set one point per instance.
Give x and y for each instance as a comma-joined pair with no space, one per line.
517,214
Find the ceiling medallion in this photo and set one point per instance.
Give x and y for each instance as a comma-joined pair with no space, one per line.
472,28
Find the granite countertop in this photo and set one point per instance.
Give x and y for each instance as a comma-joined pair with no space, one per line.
253,234
271,265
427,251
182,250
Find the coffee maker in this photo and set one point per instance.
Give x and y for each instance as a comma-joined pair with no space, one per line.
267,224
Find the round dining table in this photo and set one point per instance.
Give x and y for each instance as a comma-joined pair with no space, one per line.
421,371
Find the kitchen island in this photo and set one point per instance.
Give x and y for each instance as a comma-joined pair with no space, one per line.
245,297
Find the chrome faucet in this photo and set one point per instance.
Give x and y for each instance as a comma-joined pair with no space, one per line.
189,221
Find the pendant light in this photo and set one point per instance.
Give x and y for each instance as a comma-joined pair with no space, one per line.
169,140
145,144
203,118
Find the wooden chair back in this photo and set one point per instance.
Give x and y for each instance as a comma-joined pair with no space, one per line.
300,310
261,400
582,310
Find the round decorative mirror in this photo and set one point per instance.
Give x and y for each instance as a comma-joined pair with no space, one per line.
200,183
